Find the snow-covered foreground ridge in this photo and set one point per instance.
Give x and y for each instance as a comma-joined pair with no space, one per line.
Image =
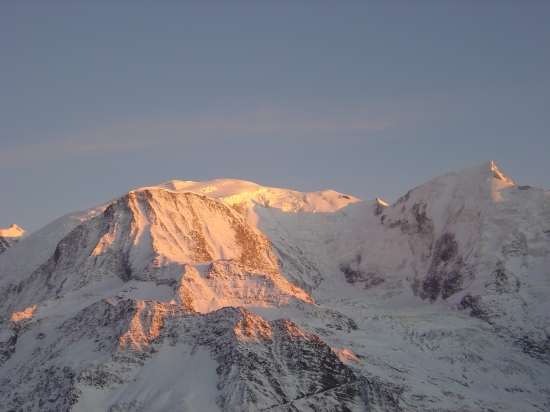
225,295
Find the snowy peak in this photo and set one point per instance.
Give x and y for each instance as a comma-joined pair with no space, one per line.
485,170
14,231
217,188
483,181
379,206
499,175
184,227
200,247
10,236
444,237
242,195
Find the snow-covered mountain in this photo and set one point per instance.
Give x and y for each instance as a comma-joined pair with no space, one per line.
226,295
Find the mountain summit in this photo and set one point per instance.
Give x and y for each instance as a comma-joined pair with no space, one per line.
10,236
226,295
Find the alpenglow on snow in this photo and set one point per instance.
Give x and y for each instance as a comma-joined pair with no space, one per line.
229,296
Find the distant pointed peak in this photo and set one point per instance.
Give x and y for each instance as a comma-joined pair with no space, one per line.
13,231
379,206
498,174
175,184
487,169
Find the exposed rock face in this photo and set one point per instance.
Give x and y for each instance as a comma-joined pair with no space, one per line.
4,244
150,235
261,364
265,364
227,296
218,285
503,306
445,276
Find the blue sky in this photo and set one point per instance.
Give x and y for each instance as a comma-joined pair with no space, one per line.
367,98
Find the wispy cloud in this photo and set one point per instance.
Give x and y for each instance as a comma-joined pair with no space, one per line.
398,115
133,135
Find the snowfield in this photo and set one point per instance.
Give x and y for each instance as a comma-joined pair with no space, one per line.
229,296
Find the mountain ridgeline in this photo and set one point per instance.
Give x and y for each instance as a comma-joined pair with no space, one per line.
229,296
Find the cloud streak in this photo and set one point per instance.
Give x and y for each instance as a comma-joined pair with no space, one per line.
396,117
139,134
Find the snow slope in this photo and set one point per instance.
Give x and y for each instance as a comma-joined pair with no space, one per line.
225,295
